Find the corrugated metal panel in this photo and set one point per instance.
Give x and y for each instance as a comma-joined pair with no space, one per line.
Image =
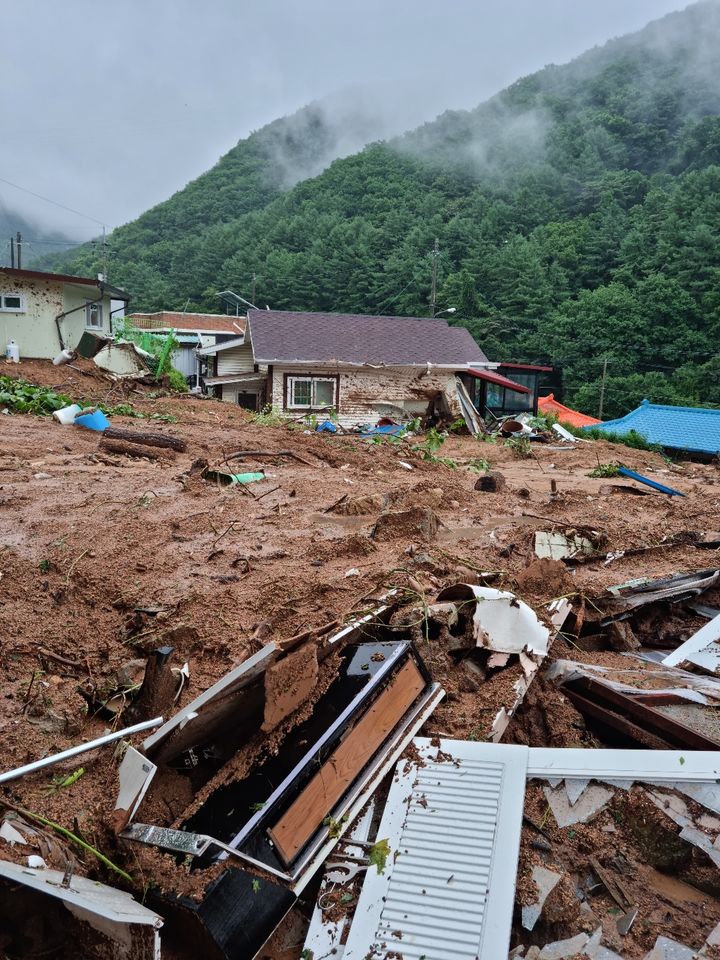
185,361
453,825
237,360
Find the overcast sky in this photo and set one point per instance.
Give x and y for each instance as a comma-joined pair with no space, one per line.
110,107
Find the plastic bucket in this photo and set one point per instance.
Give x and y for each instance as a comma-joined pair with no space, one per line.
66,415
93,421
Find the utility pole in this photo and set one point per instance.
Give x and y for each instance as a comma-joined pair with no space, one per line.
19,250
105,259
602,389
433,290
12,252
254,287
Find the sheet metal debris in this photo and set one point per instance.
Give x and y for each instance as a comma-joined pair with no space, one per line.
452,822
106,923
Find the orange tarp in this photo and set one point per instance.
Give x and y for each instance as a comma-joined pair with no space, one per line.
564,414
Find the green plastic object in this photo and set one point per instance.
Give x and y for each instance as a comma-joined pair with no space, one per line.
247,477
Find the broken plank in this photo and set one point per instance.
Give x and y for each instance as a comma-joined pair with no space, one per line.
305,816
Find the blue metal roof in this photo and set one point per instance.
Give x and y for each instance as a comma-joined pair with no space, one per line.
695,429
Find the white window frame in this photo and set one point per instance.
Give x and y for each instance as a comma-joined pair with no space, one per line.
5,309
89,305
291,381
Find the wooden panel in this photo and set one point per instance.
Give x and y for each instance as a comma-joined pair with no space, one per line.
306,814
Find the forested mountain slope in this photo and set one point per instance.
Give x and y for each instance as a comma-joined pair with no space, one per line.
577,214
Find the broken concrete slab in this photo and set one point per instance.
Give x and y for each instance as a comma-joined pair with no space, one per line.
545,880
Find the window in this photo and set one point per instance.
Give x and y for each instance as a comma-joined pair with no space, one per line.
12,303
311,392
93,315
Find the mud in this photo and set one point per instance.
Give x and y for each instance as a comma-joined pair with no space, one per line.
104,558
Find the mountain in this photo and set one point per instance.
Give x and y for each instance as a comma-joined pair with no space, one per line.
576,212
37,242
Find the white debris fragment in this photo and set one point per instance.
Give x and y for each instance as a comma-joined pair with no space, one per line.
10,834
545,881
561,949
37,863
575,789
592,801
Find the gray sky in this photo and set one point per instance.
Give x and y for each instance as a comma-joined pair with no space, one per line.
110,106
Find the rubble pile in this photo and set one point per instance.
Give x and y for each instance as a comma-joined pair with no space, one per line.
296,695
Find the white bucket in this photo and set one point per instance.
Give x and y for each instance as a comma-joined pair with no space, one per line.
65,356
67,415
12,352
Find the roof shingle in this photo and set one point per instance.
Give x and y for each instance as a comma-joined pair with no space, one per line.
284,337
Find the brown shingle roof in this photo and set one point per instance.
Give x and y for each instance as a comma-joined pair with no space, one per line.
284,337
207,322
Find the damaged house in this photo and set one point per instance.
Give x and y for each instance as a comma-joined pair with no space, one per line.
359,367
44,313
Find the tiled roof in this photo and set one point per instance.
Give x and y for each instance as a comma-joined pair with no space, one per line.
565,414
695,429
207,322
284,337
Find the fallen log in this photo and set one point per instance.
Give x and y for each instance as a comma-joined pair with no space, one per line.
136,450
148,439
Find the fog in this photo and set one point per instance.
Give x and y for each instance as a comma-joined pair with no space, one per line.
107,109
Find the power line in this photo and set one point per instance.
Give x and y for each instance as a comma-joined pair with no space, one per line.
53,202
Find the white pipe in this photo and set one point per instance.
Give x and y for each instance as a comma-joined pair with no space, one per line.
81,748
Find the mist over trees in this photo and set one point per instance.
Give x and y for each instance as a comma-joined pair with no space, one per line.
577,214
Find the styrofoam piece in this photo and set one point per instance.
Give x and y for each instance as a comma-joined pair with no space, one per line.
135,774
649,766
703,640
575,789
114,914
592,801
453,830
36,862
545,880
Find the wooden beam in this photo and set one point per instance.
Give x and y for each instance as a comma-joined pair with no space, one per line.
148,439
307,812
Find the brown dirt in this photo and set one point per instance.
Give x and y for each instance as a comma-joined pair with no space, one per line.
103,558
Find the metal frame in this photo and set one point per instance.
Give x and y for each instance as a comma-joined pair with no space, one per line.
655,766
